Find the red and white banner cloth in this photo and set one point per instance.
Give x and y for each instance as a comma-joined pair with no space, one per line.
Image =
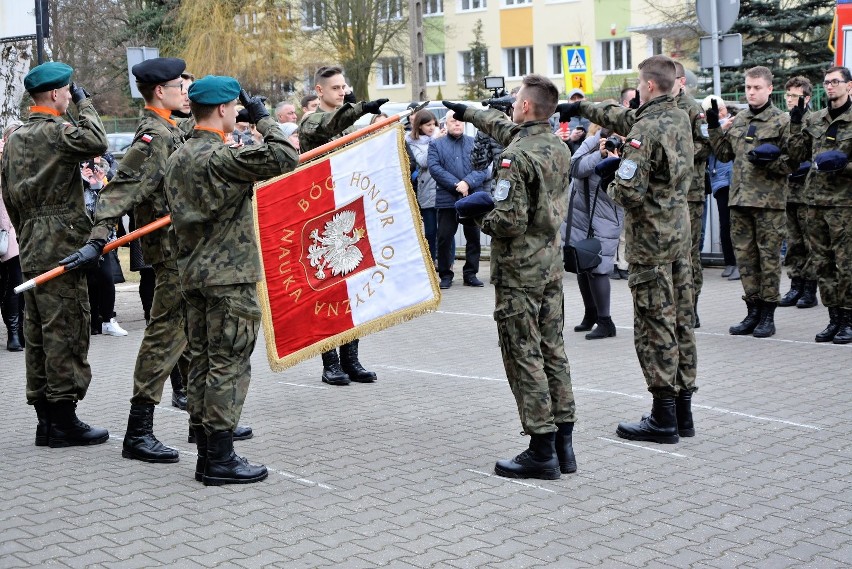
342,247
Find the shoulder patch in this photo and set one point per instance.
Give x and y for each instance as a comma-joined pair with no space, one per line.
505,163
635,143
146,138
501,191
627,169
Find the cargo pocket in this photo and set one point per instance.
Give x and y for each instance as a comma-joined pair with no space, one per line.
242,323
74,307
509,325
648,294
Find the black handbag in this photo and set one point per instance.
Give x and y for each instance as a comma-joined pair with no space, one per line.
584,255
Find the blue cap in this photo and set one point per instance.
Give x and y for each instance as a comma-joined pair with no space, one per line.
477,203
831,161
48,76
214,90
764,154
801,173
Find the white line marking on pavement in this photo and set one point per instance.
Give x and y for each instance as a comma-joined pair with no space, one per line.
439,373
781,340
512,480
302,480
590,390
301,385
760,417
677,454
464,314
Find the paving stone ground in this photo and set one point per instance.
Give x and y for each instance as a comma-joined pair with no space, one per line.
400,473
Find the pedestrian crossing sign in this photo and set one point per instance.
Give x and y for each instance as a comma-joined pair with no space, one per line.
577,68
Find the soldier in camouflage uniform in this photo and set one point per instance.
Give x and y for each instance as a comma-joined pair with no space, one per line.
209,190
651,184
696,197
758,198
334,117
825,138
803,287
43,193
526,270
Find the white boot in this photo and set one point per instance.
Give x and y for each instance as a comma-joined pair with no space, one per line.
112,328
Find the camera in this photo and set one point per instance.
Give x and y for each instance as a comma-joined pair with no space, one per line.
613,143
503,103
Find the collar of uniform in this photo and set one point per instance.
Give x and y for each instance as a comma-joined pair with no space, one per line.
534,127
220,133
45,110
657,103
164,114
766,112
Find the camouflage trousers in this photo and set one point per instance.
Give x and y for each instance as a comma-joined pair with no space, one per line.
663,318
757,234
164,340
529,328
56,327
696,223
222,323
830,238
798,248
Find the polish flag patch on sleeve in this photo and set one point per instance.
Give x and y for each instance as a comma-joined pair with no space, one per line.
636,143
506,163
147,138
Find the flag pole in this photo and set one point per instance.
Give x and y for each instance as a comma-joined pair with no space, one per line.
165,220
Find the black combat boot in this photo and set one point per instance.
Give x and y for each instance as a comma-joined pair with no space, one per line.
565,448
351,366
766,327
797,285
683,410
67,430
332,373
224,466
139,440
809,295
538,461
844,330
178,393
589,319
200,438
833,327
658,427
14,323
42,409
241,433
750,322
604,329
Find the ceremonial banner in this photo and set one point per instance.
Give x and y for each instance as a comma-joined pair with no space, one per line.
342,248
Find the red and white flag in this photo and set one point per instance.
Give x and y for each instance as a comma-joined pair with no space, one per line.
342,249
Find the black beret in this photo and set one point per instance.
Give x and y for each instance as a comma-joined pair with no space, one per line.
158,70
831,161
764,154
801,173
477,203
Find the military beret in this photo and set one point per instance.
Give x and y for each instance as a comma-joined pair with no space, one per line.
764,154
158,70
48,76
801,173
477,203
214,90
831,161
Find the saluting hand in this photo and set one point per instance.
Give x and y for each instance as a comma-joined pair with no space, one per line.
797,113
374,107
78,93
568,111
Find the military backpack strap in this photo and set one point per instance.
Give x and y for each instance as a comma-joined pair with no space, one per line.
591,232
752,130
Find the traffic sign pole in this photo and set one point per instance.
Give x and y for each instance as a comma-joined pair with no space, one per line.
714,23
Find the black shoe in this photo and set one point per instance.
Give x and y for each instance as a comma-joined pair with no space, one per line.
683,410
587,323
351,366
565,448
13,341
726,272
766,327
42,409
332,373
538,461
179,399
473,281
830,331
658,427
139,440
446,282
615,274
844,330
624,273
750,322
67,430
809,295
795,292
200,437
223,466
241,433
604,329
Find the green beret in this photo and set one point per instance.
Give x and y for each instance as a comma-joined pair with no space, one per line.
47,76
214,90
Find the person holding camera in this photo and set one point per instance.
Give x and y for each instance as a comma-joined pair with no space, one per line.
592,207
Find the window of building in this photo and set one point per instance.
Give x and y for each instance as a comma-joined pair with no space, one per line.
435,72
509,3
390,10
433,7
555,60
313,14
468,5
390,72
518,61
615,55
466,66
656,46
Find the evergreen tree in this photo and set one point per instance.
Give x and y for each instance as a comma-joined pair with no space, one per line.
478,54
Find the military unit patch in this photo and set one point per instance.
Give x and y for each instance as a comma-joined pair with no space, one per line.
627,169
501,192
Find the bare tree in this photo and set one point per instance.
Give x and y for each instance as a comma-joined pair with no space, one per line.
15,61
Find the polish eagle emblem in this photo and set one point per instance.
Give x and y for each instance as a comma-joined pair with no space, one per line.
336,248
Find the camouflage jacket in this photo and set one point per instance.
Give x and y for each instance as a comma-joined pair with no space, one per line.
808,139
42,185
209,190
700,142
532,181
321,127
139,186
654,177
753,185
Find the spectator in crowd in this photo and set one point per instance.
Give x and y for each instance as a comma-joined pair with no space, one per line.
573,132
607,219
291,131
286,112
309,104
242,131
11,304
449,165
720,185
424,129
629,100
